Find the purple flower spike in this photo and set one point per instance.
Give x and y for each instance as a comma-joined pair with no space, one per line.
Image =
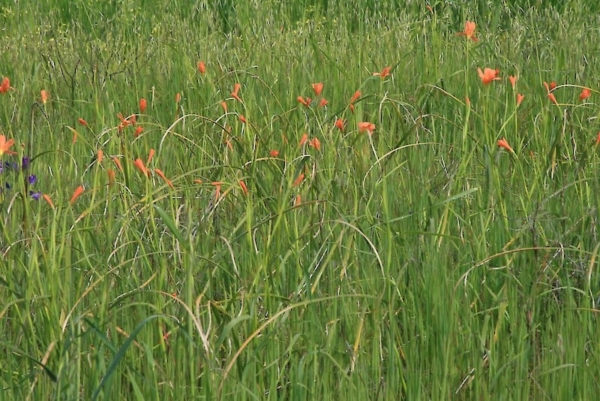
32,179
25,162
35,195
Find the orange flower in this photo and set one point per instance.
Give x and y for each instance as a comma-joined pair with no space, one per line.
143,105
242,119
469,31
48,199
234,94
384,73
488,75
366,126
244,187
298,200
298,180
44,95
467,101
177,97
303,140
5,146
502,143
99,156
224,106
4,88
552,85
304,101
339,124
117,162
76,194
552,98
201,67
519,99
139,163
83,122
585,93
150,156
318,88
111,176
138,131
355,97
132,119
513,81
199,182
274,153
323,102
165,179
217,186
598,139
315,143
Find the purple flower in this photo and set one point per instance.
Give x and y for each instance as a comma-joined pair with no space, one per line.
32,179
35,195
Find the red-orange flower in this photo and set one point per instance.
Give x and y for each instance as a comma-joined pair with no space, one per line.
82,122
139,163
585,93
234,94
244,187
138,131
165,179
76,194
488,75
355,97
143,105
224,106
318,88
44,96
552,98
366,126
99,156
117,163
5,146
384,73
150,156
598,139
304,101
298,180
177,97
298,200
519,99
513,81
5,86
303,140
111,176
323,102
502,143
48,199
242,119
315,143
201,67
339,124
217,186
274,153
469,31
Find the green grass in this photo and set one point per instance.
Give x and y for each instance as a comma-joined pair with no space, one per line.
419,262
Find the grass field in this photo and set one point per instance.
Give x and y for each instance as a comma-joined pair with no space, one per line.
248,200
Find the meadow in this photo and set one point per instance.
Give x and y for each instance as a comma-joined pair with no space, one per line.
364,200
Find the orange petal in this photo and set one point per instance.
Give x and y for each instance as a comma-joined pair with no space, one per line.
162,175
318,88
78,191
140,165
298,180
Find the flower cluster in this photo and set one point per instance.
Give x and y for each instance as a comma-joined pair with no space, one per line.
7,168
